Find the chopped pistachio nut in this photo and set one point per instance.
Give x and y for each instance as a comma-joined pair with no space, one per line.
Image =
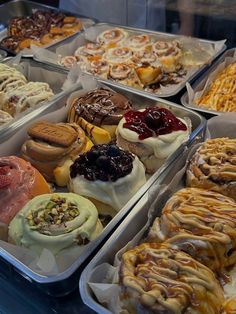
56,212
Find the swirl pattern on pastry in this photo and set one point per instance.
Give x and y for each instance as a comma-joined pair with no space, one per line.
119,55
155,278
213,167
19,182
90,49
138,41
10,78
112,36
56,222
100,107
50,145
169,54
201,223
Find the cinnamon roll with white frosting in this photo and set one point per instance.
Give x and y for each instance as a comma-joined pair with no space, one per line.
119,55
125,74
201,223
112,36
137,42
155,278
169,54
213,167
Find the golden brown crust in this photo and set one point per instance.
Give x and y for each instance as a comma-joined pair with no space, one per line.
213,167
221,95
201,223
46,155
155,278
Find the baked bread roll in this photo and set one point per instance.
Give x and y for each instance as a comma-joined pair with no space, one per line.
152,134
19,183
56,222
213,167
50,146
112,37
10,78
98,112
155,278
201,223
107,174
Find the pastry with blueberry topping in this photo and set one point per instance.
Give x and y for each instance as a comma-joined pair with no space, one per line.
108,175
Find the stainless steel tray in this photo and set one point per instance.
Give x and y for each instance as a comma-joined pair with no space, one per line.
128,229
100,27
68,280
36,71
199,84
19,8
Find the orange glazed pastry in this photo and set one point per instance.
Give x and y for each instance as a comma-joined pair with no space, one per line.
19,183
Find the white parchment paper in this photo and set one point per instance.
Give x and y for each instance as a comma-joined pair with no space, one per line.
194,51
103,278
194,94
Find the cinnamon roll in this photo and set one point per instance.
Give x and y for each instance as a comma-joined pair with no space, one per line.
125,74
169,54
99,67
50,146
152,134
213,167
98,112
68,61
108,175
19,182
10,78
119,55
156,278
137,42
56,222
112,36
90,49
201,223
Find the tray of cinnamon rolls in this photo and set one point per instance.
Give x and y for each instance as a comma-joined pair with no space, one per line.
175,251
214,91
28,23
140,60
69,177
27,88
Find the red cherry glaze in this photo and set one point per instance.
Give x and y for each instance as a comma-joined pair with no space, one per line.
152,122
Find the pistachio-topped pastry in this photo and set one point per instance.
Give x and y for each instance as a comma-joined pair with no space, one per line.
55,222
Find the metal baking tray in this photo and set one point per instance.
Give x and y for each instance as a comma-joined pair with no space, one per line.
66,281
19,8
100,27
199,84
128,229
55,79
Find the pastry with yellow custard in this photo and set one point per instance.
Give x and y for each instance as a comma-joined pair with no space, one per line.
98,112
56,222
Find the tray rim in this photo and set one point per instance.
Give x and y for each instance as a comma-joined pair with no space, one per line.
42,279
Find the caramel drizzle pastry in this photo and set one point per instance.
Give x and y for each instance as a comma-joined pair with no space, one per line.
155,278
221,95
10,78
201,223
214,166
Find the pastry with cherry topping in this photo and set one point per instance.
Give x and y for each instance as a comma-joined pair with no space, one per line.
108,175
152,134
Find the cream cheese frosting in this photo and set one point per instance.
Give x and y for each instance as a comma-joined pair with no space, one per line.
161,145
73,221
116,193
